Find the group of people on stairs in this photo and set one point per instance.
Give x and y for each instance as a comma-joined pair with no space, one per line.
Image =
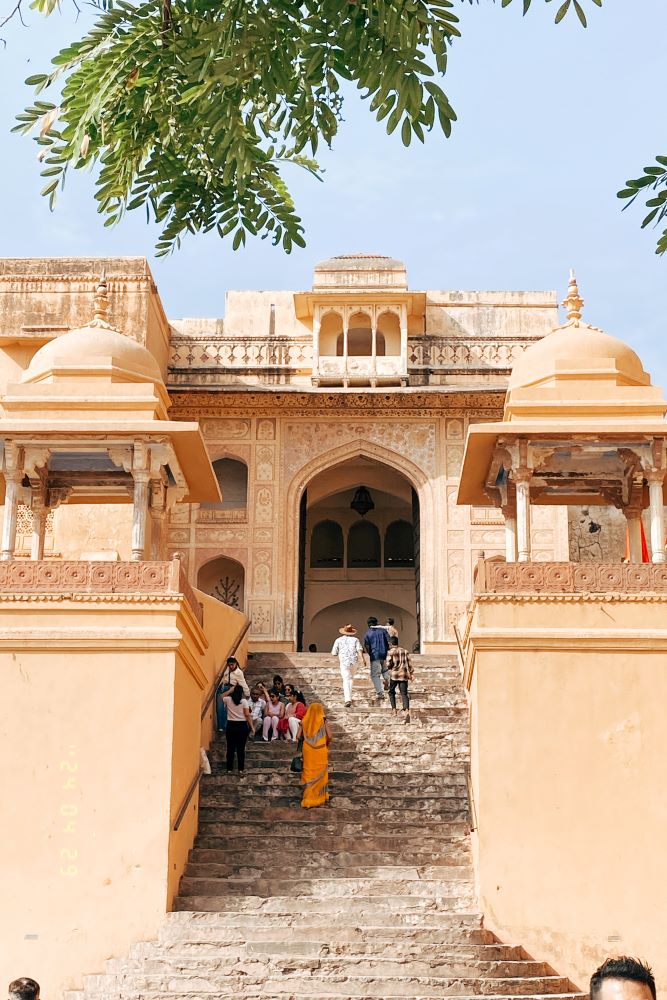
278,713
390,666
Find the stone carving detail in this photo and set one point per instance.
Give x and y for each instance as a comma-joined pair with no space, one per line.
214,515
454,430
563,578
222,430
263,535
207,536
453,352
240,353
454,610
262,580
456,516
304,441
264,464
486,515
264,506
261,616
455,574
227,590
266,430
454,460
87,577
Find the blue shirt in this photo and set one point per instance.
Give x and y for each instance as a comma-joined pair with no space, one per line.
376,642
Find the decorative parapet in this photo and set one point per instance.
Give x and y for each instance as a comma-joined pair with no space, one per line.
240,354
455,352
498,577
69,577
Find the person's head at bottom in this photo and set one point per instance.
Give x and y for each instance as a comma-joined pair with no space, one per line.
372,621
312,648
23,989
623,978
393,641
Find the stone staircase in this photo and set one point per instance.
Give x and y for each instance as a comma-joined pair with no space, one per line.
371,896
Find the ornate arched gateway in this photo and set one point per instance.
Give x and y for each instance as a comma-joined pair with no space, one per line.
402,490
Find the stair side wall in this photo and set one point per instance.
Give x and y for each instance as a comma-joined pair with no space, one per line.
569,762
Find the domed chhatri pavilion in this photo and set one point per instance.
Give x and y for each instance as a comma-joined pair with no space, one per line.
582,425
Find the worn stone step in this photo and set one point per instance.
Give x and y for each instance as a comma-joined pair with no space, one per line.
286,991
224,837
440,873
409,886
235,943
368,904
343,808
330,860
213,926
337,984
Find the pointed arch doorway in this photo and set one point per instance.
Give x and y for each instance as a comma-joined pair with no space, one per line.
355,564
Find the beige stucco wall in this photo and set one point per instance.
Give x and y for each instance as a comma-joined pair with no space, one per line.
100,731
569,752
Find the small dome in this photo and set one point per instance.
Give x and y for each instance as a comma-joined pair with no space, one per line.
570,349
92,347
360,262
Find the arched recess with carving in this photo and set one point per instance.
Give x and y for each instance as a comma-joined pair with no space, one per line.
287,613
232,476
224,579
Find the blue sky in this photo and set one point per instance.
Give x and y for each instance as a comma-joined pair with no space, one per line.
552,120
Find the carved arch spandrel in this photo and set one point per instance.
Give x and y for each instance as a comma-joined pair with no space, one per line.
286,620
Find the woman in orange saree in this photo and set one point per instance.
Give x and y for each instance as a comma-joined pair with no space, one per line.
315,774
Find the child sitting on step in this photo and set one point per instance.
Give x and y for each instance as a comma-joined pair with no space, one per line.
273,713
257,705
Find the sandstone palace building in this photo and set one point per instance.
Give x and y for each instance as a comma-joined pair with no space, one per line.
303,398
178,491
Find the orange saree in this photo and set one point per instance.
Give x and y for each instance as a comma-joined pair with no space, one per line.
315,773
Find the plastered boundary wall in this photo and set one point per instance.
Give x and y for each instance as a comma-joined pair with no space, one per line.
100,703
567,697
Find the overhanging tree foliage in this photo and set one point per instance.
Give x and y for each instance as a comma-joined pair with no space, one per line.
191,108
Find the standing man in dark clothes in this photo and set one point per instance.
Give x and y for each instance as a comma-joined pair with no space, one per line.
376,644
400,673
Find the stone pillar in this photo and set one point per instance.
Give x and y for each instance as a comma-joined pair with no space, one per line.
656,507
633,517
509,513
13,481
140,476
522,482
158,510
315,375
39,514
374,351
404,346
345,331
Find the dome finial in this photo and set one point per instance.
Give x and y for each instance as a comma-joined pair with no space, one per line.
101,301
574,302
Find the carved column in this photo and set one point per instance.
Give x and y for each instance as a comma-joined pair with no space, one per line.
345,332
140,476
656,506
634,520
315,375
39,514
522,482
158,511
13,481
374,349
509,513
404,346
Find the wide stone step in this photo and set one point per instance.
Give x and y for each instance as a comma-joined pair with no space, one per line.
285,982
343,808
215,926
413,886
468,955
382,782
362,906
262,962
286,991
439,873
224,837
369,861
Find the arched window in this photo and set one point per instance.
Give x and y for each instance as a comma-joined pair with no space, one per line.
389,330
330,332
399,544
363,546
326,545
232,476
223,579
360,338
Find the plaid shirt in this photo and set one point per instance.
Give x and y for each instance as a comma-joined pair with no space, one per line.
398,661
